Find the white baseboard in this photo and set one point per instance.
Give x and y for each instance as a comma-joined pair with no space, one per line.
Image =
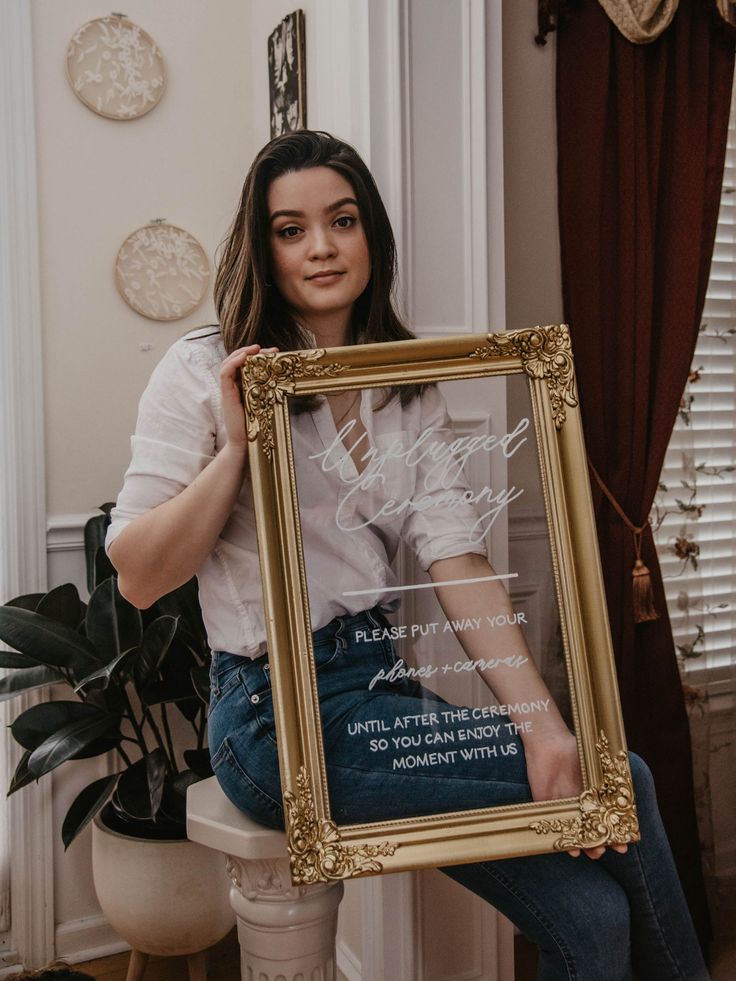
347,963
87,939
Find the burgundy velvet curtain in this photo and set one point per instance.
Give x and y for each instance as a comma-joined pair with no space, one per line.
641,137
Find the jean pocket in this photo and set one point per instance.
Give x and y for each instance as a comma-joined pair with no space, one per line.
326,654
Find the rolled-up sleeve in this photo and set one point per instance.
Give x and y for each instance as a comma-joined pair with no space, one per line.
174,437
442,522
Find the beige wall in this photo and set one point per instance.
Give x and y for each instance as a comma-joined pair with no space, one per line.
99,180
533,287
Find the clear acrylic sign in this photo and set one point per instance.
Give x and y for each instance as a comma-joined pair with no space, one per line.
453,636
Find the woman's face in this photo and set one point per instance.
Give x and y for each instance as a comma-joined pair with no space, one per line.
319,253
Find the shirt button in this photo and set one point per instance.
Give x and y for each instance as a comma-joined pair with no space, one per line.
255,699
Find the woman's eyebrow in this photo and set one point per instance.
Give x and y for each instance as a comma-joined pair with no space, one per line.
286,213
340,204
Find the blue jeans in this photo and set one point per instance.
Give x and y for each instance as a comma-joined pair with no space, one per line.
592,920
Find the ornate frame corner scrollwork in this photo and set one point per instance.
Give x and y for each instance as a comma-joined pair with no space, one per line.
316,851
607,813
544,354
267,378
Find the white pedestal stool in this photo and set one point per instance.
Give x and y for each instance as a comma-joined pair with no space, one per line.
284,931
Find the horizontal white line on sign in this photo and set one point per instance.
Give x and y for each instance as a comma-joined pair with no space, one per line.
430,585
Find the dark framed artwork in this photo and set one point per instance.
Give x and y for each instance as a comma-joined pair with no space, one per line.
287,75
489,610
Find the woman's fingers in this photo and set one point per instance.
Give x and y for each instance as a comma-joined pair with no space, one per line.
232,403
237,358
235,361
595,853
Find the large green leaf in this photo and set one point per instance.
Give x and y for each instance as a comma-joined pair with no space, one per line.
198,761
174,800
46,641
85,806
110,700
201,683
155,645
103,568
112,624
159,693
183,602
36,724
68,742
27,679
98,747
140,787
63,605
29,601
9,659
21,777
94,539
115,668
177,681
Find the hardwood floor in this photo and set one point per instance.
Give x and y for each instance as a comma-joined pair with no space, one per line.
223,964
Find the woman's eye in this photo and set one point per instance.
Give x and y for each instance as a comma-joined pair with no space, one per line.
290,231
345,221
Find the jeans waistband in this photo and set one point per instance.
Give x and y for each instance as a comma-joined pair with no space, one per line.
342,626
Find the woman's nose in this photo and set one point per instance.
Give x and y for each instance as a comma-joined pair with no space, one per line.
322,244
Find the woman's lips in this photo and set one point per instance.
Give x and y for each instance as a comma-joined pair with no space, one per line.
325,278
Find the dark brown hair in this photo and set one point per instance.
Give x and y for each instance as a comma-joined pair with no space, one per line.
250,308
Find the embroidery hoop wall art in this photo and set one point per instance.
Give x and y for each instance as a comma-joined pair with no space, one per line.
162,271
115,68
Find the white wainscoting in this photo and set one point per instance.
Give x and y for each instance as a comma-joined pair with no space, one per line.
81,932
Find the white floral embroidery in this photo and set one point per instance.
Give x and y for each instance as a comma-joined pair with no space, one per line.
115,68
162,272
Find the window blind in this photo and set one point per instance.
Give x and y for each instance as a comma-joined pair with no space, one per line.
695,509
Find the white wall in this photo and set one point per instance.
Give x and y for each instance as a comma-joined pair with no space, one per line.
533,277
98,180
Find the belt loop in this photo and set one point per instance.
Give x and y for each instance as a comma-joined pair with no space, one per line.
372,618
340,641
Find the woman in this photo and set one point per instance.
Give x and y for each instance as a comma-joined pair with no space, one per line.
309,261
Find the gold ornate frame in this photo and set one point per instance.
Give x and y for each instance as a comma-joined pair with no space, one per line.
605,812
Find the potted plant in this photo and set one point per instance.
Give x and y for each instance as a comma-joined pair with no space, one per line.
130,673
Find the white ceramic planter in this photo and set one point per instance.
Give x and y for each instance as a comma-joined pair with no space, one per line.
166,898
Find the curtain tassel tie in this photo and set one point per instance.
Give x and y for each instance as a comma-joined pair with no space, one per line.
644,608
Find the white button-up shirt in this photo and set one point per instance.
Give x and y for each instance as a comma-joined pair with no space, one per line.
409,487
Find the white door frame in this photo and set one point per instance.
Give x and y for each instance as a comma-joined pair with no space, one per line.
22,456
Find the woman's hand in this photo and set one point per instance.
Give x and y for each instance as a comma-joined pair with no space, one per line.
553,766
232,402
553,771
